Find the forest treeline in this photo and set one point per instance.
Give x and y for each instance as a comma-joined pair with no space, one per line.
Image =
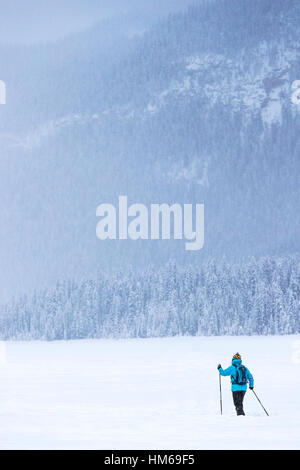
260,297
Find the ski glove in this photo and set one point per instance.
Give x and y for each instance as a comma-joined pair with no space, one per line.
219,367
251,388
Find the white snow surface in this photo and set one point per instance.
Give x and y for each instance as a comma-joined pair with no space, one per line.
147,394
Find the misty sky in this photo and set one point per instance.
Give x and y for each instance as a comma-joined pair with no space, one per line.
30,21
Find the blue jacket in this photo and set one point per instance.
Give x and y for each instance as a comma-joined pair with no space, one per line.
231,370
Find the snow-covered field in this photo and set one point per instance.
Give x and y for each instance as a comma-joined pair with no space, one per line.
151,394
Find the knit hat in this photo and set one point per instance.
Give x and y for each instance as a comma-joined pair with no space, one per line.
237,356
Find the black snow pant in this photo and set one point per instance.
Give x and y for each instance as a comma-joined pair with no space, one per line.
238,398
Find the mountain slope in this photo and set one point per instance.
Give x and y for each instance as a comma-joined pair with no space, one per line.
197,109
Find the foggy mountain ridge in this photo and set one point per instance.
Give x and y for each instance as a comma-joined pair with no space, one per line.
196,109
264,94
247,80
39,21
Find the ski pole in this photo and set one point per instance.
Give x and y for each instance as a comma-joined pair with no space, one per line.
220,394
261,403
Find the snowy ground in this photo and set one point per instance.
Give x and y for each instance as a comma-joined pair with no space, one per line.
151,394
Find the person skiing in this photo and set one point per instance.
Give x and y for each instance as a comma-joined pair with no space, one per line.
240,376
